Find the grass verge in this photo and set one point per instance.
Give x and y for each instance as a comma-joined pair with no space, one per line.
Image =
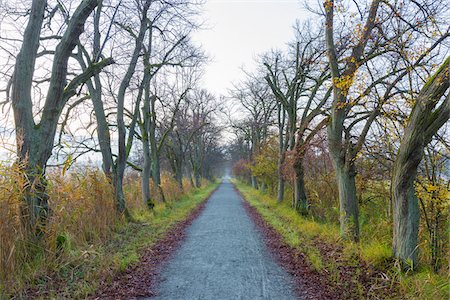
357,271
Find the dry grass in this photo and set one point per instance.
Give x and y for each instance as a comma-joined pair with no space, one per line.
82,217
374,248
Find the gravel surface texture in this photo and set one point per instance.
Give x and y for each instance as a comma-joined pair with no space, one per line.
224,257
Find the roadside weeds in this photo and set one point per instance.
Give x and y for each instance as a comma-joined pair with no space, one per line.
321,270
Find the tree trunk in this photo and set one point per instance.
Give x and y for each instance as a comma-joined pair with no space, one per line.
118,193
300,202
176,164
95,91
146,138
343,153
281,151
189,174
424,123
406,209
197,176
263,187
36,210
254,182
179,176
121,128
281,184
146,170
156,169
154,149
348,201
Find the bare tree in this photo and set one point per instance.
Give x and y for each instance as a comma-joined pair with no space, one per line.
377,53
259,105
35,140
428,115
300,89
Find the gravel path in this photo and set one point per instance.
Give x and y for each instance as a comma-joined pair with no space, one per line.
224,257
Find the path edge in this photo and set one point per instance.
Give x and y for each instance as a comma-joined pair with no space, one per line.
308,283
142,279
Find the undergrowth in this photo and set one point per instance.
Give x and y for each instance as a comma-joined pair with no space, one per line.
85,240
329,254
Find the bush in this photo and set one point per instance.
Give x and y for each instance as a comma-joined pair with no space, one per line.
82,217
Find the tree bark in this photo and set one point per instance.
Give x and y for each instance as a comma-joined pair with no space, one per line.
348,201
424,123
300,200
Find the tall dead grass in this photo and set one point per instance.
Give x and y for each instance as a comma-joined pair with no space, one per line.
82,215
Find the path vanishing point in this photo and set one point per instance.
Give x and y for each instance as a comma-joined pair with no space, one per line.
224,257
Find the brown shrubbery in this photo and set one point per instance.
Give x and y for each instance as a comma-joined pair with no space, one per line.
82,215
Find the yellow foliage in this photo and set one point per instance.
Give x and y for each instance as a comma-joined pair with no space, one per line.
344,83
266,163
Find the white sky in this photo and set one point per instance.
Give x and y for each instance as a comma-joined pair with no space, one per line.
238,30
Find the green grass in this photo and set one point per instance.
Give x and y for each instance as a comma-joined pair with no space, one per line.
85,268
374,248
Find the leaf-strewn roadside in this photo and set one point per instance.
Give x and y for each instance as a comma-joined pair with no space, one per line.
139,279
345,271
99,265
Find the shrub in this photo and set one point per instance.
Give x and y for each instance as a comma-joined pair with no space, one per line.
82,216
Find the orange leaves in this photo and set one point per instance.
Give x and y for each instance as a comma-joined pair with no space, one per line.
328,5
241,168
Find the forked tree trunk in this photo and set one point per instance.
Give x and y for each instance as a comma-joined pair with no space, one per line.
342,151
424,123
35,141
343,157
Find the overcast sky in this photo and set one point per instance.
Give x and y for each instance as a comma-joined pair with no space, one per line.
239,30
236,31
